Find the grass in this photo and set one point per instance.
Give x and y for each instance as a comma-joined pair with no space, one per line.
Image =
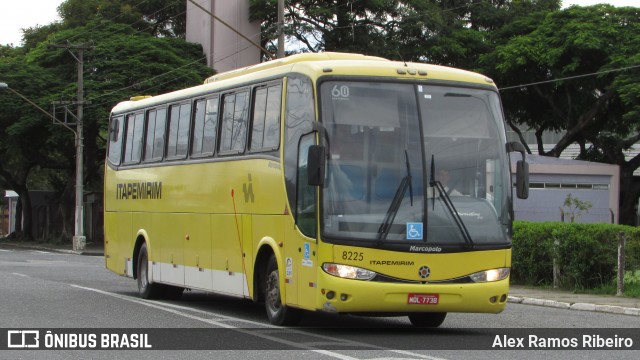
630,290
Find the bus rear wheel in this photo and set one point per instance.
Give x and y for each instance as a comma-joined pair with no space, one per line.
427,320
277,312
149,290
146,289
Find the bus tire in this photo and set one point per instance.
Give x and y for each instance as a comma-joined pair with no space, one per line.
277,312
146,289
428,319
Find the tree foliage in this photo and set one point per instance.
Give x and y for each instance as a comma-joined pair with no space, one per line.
577,73
437,31
122,62
156,17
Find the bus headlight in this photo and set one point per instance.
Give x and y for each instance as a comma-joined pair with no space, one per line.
490,275
348,272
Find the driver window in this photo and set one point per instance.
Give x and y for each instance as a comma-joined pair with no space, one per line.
306,199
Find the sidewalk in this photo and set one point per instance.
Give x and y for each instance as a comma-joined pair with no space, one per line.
559,299
92,249
568,300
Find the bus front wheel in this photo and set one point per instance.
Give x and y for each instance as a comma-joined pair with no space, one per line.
277,312
431,320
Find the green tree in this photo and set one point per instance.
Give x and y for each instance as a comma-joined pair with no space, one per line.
577,72
443,32
123,62
574,207
27,139
157,17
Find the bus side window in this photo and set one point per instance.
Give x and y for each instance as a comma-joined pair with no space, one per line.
159,137
180,116
234,122
154,143
265,133
115,140
133,138
205,127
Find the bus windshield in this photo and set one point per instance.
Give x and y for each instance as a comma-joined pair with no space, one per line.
414,164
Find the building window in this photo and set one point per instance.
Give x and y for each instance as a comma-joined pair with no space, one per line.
558,186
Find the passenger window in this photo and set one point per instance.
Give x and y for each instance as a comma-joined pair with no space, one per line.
115,140
161,128
234,122
265,133
205,127
154,144
133,138
178,131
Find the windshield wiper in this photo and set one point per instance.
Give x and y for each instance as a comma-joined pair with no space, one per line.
385,227
406,157
448,204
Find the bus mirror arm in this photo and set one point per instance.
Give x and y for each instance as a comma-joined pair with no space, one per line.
318,155
522,170
322,132
316,162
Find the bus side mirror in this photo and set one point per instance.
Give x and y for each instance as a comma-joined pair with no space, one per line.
316,162
522,170
522,179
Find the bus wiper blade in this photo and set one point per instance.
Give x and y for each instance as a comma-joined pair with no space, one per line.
406,156
385,227
449,205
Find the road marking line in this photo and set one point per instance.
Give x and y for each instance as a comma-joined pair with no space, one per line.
167,307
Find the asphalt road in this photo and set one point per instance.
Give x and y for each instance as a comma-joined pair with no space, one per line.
72,294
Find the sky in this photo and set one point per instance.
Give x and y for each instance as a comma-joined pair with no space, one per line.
19,14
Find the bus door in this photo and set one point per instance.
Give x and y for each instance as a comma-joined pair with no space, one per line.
303,238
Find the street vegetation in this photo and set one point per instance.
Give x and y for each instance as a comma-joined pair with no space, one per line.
576,257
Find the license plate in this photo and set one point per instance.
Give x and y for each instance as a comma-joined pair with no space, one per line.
423,299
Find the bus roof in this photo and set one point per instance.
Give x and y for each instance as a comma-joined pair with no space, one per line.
326,63
293,59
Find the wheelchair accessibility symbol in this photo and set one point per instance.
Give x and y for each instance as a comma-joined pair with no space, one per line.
414,231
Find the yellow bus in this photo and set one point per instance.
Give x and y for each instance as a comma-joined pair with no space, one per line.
329,182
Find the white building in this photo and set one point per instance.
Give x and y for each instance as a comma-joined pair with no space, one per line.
552,179
225,49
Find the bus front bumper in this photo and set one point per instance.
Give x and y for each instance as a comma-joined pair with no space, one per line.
339,295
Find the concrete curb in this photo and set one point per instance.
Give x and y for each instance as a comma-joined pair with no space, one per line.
611,309
50,249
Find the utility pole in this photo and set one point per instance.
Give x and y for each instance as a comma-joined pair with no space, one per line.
280,29
79,239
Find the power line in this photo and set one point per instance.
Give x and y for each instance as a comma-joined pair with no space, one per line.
161,75
569,78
